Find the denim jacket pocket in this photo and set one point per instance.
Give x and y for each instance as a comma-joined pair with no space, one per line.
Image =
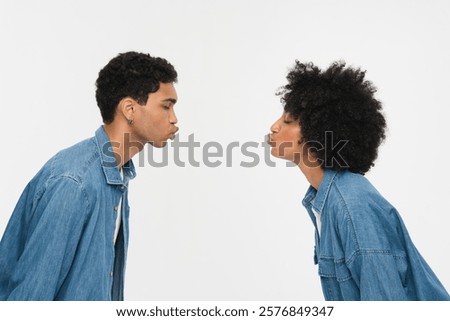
334,268
335,276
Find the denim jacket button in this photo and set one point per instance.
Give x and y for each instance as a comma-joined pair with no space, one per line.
110,274
115,208
122,186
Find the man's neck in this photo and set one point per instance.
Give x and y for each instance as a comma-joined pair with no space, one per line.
123,143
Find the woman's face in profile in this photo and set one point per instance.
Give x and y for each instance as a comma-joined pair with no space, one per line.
285,138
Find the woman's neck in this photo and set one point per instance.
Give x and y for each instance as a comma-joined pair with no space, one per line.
313,173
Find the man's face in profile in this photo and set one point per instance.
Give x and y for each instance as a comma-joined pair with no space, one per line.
155,121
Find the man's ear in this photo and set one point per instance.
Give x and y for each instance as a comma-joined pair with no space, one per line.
126,109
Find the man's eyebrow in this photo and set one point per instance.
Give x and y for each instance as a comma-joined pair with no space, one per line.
172,100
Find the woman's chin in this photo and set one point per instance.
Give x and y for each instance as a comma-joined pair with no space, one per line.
274,152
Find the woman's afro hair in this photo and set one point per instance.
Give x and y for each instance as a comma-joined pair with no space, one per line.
341,122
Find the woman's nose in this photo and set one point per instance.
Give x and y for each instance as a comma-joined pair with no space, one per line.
275,128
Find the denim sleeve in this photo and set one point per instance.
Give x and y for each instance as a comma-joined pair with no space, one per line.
57,218
379,275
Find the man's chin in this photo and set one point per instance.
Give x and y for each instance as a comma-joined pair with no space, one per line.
158,144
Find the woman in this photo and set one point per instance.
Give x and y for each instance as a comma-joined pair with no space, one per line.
331,128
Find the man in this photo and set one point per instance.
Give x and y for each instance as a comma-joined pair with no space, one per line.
331,128
68,235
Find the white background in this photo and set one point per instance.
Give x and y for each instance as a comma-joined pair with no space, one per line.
230,233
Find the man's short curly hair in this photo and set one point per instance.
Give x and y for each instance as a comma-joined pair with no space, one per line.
130,74
340,102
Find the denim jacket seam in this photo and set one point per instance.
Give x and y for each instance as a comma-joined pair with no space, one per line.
348,218
76,179
356,253
95,155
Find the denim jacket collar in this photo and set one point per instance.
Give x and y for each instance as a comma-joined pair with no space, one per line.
316,198
108,160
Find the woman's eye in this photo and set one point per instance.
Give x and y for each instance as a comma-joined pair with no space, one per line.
287,121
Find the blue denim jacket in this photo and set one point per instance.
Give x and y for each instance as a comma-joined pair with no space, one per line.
58,244
363,250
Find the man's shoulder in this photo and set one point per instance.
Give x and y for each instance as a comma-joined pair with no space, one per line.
77,161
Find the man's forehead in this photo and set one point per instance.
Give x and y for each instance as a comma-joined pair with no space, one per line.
166,93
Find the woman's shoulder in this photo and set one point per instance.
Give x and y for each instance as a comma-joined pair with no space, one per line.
355,192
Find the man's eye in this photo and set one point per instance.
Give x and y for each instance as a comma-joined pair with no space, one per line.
166,107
